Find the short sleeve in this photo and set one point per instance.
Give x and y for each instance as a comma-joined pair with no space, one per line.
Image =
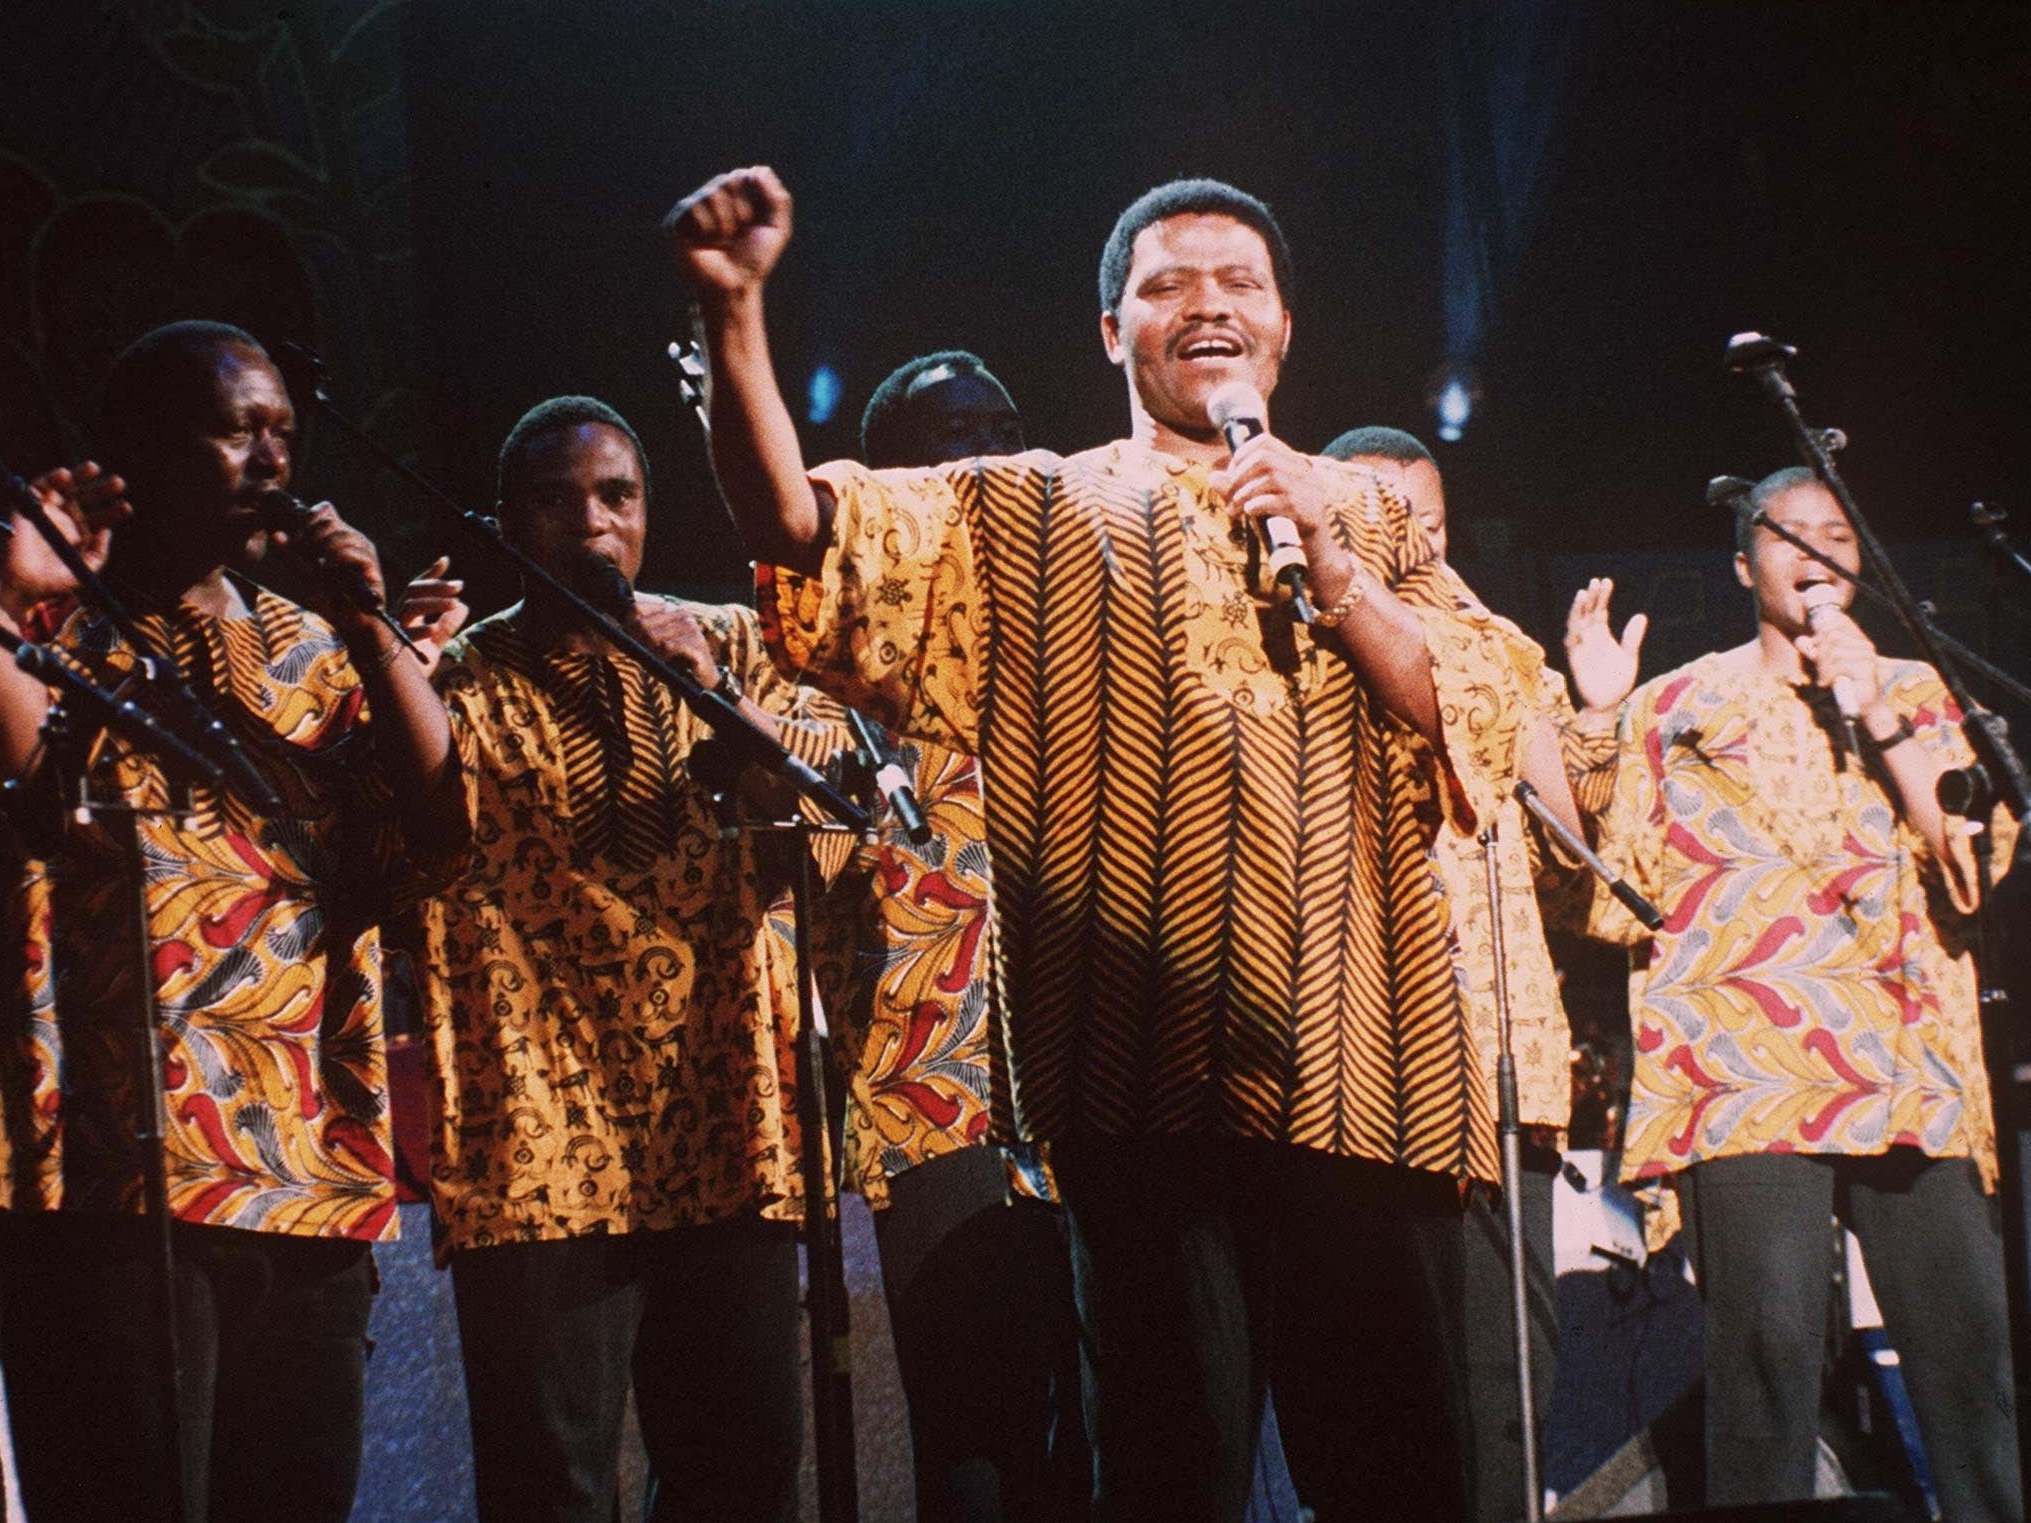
1916,692
893,622
1632,827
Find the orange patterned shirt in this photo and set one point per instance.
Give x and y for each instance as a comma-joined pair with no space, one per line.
611,1024
1212,849
263,940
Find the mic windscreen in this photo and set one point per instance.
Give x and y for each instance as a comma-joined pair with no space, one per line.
605,586
281,510
1236,401
1820,597
1728,491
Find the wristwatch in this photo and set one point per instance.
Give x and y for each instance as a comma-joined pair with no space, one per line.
728,686
1896,737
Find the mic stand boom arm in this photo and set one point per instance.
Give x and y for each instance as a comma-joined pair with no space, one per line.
754,744
1959,650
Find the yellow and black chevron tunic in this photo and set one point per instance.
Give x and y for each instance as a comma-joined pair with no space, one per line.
1212,849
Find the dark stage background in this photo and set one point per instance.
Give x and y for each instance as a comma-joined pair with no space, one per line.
457,203
1574,205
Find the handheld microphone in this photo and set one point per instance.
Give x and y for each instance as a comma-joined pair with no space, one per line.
1821,600
282,511
1239,412
604,585
891,779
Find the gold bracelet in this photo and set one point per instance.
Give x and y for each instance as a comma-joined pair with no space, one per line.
1348,601
386,658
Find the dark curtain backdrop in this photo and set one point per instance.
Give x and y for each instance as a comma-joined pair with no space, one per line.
456,200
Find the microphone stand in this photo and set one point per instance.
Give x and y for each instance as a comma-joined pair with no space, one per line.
1510,1130
724,718
1998,775
825,1251
123,819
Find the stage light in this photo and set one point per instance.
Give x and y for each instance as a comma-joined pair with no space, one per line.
822,397
1455,406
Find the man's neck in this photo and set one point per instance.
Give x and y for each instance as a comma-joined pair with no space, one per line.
1147,431
160,584
550,625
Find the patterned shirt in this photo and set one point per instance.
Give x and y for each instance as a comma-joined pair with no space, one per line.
908,970
1540,1035
264,944
611,1026
1212,849
1811,991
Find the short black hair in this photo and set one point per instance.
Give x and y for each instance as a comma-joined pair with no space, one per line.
884,428
1184,198
1381,443
1761,495
157,381
550,416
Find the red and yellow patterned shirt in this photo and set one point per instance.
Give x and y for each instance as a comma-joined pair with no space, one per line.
263,942
1811,991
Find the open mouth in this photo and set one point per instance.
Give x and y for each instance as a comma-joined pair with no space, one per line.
1211,346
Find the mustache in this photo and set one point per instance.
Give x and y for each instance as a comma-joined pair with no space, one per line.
1211,330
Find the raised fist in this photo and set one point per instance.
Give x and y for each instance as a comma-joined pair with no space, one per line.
729,233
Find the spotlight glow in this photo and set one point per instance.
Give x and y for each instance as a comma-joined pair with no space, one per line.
1455,406
822,397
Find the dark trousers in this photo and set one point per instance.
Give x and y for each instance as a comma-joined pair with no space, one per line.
1206,1268
980,1297
273,1346
705,1321
1761,1244
1467,1256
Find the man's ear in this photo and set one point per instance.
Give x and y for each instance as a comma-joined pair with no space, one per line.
1110,337
1285,352
1742,571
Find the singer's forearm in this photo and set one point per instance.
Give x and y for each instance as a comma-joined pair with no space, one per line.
1913,773
1382,637
755,453
24,705
412,738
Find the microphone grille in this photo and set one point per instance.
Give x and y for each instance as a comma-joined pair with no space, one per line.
605,586
1235,399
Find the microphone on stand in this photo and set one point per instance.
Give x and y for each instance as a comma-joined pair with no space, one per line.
1239,412
715,766
289,514
891,779
1821,600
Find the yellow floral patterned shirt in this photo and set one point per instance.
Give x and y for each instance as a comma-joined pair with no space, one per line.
611,1023
1212,850
264,942
1540,1036
1811,991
